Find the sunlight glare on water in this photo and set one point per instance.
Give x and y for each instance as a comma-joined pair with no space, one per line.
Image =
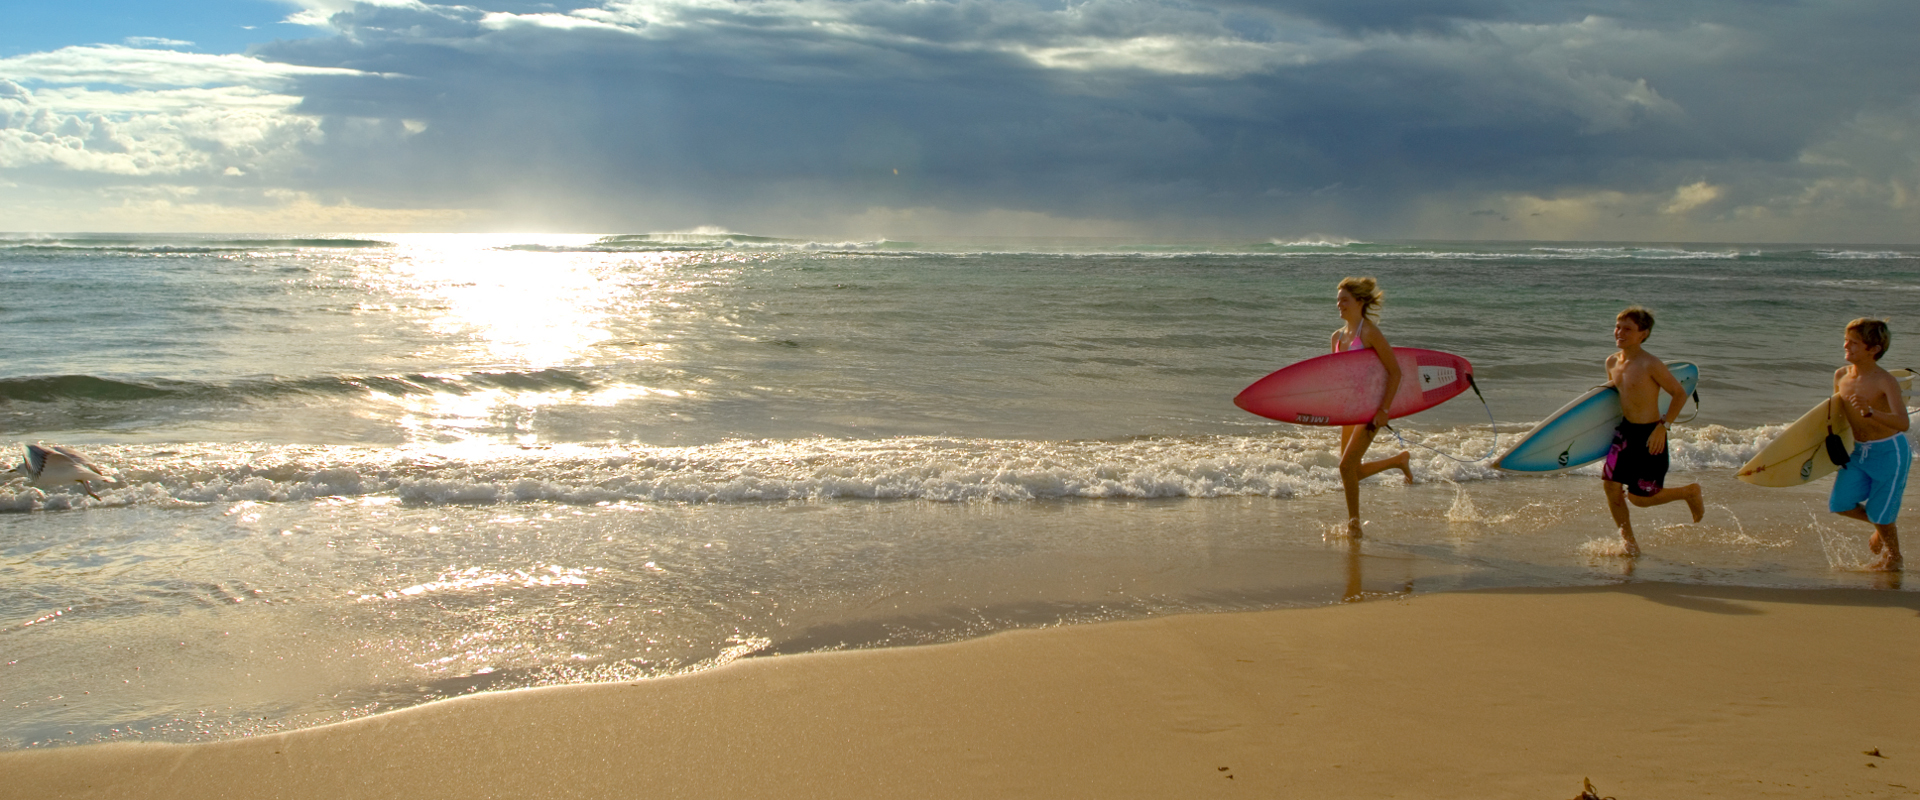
525,305
509,307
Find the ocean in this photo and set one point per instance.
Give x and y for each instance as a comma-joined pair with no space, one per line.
361,472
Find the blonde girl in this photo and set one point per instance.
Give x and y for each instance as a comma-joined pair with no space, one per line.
1358,298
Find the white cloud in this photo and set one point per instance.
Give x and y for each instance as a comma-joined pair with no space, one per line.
145,132
319,13
81,100
1179,55
564,22
179,139
1556,118
154,41
1692,196
140,68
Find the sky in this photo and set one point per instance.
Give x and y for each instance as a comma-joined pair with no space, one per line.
1637,120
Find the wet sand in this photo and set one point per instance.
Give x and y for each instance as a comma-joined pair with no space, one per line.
1650,690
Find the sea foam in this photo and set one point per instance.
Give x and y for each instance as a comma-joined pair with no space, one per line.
1294,462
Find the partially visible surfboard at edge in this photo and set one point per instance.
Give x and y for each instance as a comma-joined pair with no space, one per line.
1799,454
1345,388
1581,431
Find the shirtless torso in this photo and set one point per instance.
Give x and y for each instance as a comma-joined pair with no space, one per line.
1640,377
1874,406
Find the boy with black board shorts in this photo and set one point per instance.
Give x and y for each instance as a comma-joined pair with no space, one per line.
1636,465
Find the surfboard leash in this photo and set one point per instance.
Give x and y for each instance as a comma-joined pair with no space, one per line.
1490,423
1696,410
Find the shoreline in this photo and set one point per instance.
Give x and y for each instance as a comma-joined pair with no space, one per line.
266,654
1649,689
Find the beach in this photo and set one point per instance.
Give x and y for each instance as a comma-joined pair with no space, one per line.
1649,690
958,399
358,474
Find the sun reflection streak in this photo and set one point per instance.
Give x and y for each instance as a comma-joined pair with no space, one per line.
514,306
502,413
480,578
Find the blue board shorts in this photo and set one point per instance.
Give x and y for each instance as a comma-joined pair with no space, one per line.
1629,463
1875,478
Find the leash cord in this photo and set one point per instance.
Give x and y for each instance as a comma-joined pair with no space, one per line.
1490,423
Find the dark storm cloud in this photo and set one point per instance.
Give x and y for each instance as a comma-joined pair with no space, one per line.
1231,113
1397,16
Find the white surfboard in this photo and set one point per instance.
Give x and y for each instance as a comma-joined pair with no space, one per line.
1799,454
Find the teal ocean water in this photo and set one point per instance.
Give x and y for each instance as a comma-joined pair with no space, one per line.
360,472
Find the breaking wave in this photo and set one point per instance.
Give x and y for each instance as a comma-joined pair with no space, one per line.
1285,464
161,245
69,388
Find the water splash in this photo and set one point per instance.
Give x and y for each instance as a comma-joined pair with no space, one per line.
1844,552
1462,509
1710,533
1607,547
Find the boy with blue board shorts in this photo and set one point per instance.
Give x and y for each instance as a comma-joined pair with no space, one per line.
1872,482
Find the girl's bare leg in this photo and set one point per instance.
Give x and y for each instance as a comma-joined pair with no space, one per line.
1353,446
1402,462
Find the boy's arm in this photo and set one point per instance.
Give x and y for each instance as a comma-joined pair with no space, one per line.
1657,441
1888,387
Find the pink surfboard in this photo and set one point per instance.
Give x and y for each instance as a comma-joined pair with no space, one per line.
1345,388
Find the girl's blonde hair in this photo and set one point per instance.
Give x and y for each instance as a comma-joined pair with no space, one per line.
1365,290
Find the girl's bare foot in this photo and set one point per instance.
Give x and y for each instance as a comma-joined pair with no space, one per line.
1885,563
1695,504
1873,542
1404,463
1353,528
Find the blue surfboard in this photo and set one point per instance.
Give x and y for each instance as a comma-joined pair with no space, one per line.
1581,431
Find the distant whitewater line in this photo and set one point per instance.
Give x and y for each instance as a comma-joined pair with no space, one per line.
1317,241
178,245
1316,246
64,388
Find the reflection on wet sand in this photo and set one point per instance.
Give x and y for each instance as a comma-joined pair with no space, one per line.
1355,590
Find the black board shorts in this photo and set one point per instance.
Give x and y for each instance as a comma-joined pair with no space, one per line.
1630,465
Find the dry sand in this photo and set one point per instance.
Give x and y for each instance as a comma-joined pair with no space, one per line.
1652,691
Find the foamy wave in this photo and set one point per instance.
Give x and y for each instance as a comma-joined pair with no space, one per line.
162,245
66,388
1641,253
1536,254
1291,462
1864,254
675,242
1316,241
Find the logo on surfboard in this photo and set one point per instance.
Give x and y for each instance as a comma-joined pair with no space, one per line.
1432,378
